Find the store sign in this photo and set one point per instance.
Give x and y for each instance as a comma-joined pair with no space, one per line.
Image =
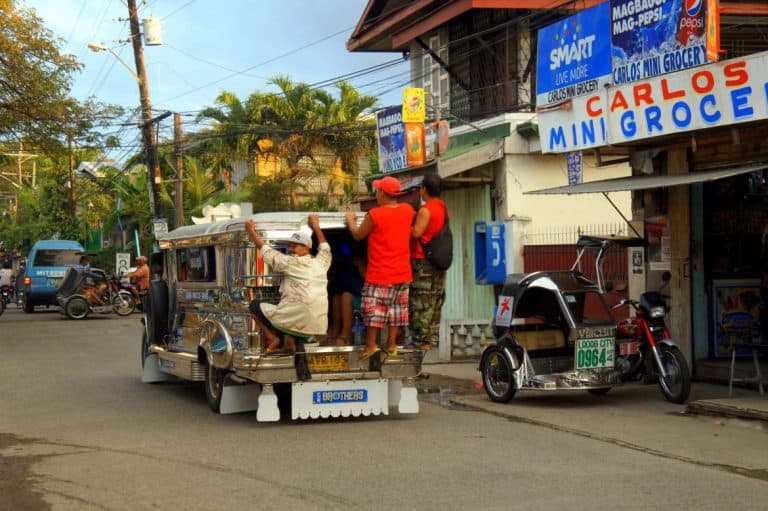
655,37
713,30
573,56
721,94
414,106
390,132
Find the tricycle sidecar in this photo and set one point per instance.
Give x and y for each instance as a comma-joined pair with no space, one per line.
85,290
553,331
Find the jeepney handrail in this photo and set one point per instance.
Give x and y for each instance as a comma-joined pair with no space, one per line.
262,276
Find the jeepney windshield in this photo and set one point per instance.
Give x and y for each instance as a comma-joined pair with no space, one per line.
588,308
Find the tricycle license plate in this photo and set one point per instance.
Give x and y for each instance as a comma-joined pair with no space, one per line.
594,353
328,362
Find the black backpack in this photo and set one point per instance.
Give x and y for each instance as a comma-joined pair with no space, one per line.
439,250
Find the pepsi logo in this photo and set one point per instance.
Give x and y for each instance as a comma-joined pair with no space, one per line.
692,7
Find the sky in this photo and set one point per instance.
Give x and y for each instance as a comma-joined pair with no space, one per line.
214,45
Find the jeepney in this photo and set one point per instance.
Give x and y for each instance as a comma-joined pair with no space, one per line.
197,327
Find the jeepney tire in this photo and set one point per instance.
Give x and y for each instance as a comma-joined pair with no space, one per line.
144,348
77,308
157,312
214,384
599,391
498,374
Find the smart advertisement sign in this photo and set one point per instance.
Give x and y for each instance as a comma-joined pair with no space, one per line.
654,37
390,131
714,95
572,56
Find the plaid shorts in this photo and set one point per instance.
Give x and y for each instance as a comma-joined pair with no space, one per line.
385,305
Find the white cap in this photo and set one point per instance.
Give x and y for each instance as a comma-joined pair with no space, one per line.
300,238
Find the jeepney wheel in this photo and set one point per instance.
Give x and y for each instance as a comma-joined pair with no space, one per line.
144,347
498,375
214,384
599,391
77,308
157,311
124,304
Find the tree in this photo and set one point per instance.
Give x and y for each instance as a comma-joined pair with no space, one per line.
35,77
296,121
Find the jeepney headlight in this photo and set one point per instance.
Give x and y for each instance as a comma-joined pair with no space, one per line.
657,312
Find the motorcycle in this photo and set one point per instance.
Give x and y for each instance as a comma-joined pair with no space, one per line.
5,295
555,331
83,291
645,351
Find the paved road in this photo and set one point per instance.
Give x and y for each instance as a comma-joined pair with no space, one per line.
79,431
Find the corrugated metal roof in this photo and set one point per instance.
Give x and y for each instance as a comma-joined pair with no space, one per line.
648,182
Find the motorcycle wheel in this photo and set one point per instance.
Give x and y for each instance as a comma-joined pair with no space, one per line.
124,304
498,375
214,384
676,387
77,308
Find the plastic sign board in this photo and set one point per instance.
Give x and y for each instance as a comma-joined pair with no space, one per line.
390,132
414,107
713,30
655,37
715,95
160,227
573,56
574,162
414,144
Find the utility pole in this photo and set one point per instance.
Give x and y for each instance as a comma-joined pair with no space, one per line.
147,128
178,199
72,192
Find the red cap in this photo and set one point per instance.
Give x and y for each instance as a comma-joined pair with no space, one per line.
388,185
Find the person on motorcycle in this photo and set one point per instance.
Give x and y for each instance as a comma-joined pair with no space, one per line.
7,278
140,276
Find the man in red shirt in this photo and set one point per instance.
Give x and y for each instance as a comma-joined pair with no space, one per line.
385,292
427,293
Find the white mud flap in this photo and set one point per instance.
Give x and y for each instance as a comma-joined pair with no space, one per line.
406,397
349,398
267,410
239,398
152,372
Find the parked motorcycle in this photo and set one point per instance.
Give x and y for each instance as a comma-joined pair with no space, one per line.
645,351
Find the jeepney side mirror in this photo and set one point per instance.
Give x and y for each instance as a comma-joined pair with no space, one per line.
608,286
666,276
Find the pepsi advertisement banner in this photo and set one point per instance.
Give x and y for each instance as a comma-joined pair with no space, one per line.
390,131
655,37
572,56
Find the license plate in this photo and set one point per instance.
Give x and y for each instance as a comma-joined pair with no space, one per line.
594,353
321,397
328,362
629,348
55,282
